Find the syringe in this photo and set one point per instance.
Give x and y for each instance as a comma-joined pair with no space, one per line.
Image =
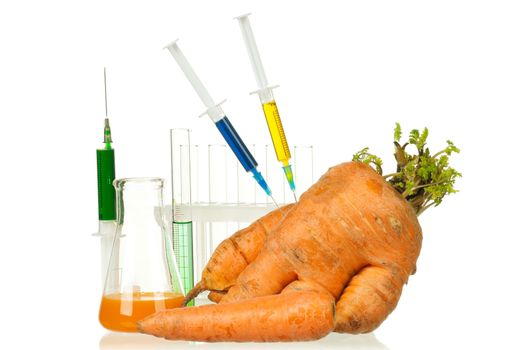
265,92
106,169
106,191
219,118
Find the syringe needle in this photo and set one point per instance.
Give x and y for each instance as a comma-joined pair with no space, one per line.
105,95
294,195
107,130
272,198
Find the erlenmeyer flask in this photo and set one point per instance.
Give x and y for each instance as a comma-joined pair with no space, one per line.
142,276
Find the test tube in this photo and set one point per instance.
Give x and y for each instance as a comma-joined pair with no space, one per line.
276,179
246,187
181,205
195,168
303,165
217,231
262,152
217,174
231,174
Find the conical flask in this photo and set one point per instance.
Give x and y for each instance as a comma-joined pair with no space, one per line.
143,275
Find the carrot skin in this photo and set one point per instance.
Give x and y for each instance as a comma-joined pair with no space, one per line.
293,316
369,298
216,296
233,255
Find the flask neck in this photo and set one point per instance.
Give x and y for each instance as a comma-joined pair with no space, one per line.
139,199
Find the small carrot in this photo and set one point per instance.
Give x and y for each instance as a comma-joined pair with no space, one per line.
295,314
233,255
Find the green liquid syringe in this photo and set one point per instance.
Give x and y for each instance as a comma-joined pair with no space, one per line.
106,192
106,169
265,92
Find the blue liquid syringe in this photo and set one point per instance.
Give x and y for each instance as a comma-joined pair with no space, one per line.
219,118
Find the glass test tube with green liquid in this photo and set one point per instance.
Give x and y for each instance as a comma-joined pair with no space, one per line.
181,205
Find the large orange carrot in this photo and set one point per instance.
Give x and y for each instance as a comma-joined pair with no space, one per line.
348,222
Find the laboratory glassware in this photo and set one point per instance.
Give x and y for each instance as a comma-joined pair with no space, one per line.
182,236
144,277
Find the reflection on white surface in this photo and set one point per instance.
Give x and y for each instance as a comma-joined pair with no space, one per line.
133,341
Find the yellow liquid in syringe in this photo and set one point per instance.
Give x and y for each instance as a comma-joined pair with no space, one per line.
277,132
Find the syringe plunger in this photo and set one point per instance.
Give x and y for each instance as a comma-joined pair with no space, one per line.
213,110
252,50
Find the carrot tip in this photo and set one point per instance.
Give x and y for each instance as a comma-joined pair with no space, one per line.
198,288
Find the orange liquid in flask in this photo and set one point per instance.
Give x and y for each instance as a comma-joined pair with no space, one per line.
121,312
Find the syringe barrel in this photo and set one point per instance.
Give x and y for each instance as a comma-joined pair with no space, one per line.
252,50
215,113
265,95
105,177
236,144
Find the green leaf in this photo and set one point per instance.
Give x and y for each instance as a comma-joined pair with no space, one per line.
397,132
414,137
422,139
366,157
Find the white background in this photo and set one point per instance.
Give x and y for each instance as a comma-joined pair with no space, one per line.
347,70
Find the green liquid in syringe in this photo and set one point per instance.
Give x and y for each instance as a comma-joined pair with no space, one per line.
182,238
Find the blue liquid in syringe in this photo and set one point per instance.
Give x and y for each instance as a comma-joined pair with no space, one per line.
236,144
240,150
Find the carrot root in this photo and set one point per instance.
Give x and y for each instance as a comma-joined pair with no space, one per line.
198,288
293,316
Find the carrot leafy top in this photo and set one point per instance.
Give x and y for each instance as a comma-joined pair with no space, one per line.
423,178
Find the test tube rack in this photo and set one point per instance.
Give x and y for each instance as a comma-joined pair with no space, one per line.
225,199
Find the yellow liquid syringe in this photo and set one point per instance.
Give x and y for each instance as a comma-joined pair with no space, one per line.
281,147
265,92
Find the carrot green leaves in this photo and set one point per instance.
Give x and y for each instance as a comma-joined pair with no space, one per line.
423,178
365,157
